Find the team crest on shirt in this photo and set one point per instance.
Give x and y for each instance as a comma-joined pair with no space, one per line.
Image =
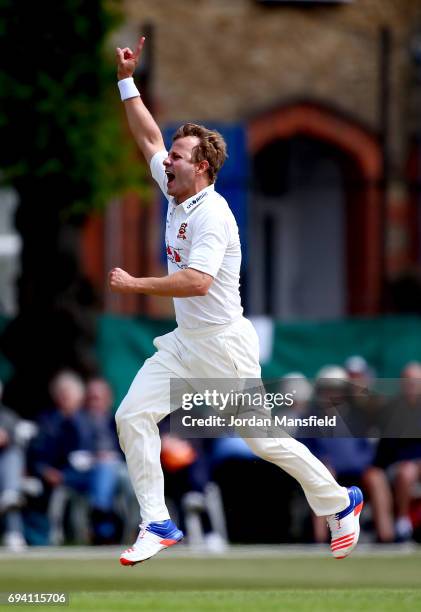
182,231
174,256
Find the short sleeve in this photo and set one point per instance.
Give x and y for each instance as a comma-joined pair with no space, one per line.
158,170
210,238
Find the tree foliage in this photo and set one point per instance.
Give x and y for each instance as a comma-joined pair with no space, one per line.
64,151
58,117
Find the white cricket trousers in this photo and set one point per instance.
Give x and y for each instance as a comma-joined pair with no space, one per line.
221,351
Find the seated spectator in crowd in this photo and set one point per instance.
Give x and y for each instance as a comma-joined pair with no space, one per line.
398,460
11,473
57,452
365,402
70,441
347,456
109,462
299,387
359,371
100,418
331,397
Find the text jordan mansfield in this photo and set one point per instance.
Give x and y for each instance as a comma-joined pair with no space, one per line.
255,421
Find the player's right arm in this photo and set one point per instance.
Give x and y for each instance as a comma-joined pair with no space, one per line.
142,125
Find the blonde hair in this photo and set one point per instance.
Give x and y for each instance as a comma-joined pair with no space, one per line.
212,147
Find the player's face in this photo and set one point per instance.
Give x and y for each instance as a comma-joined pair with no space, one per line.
180,170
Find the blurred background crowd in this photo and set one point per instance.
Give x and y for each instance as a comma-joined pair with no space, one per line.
63,477
320,104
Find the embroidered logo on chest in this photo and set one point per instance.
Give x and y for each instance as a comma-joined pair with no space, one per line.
182,231
174,255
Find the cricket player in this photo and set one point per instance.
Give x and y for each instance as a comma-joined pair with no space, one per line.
212,338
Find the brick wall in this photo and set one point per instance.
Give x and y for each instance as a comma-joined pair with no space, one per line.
229,59
232,60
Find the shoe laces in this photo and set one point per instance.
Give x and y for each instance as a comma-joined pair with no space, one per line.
330,520
142,531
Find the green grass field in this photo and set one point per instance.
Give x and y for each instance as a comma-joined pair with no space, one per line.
176,583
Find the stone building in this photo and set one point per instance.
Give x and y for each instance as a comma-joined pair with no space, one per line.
320,107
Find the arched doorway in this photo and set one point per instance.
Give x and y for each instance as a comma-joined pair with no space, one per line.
315,215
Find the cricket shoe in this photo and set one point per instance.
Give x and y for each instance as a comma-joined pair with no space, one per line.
345,525
152,538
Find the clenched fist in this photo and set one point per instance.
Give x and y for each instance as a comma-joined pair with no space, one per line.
121,281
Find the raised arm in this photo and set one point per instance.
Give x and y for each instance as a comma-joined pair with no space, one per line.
142,125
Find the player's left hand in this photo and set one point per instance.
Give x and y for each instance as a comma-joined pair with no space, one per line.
120,281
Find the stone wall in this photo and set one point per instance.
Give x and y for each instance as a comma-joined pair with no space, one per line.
232,60
226,60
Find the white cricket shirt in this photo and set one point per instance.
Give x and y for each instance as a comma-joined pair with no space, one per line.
202,233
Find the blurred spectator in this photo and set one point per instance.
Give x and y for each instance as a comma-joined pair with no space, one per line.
296,384
346,455
11,473
404,413
98,410
57,452
366,405
354,405
332,398
77,449
108,461
359,371
398,460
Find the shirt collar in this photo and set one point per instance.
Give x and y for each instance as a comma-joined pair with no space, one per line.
194,201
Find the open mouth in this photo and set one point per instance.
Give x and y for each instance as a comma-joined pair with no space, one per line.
170,177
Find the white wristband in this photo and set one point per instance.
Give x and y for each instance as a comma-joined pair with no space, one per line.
128,89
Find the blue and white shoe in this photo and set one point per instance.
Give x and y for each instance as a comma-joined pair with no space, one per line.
345,525
152,538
